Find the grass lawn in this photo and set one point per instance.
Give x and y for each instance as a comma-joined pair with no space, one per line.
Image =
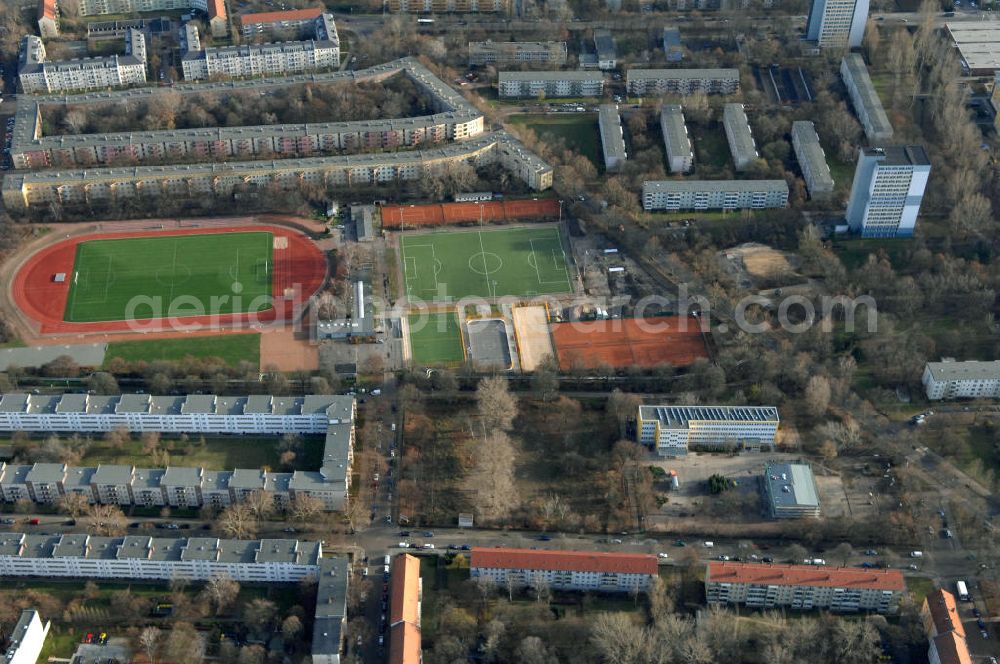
230,348
710,147
152,277
436,340
578,130
218,453
853,251
919,588
491,263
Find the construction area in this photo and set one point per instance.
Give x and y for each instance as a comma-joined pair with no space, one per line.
629,342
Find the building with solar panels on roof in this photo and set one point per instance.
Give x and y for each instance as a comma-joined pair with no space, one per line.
790,491
671,430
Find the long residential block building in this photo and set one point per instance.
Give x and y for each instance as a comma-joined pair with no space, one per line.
293,19
680,154
741,143
550,84
48,19
612,138
22,190
147,558
454,119
887,191
672,430
812,160
837,23
564,570
946,639
659,82
804,587
214,9
483,53
673,195
864,98
37,74
971,379
46,483
252,60
27,638
406,590
448,6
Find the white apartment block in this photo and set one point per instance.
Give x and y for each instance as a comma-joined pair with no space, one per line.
680,154
672,430
74,187
27,638
294,19
612,138
812,160
254,60
448,6
180,486
887,191
659,82
482,53
837,23
564,570
453,119
971,379
550,84
864,98
48,19
674,195
741,143
804,587
215,9
38,75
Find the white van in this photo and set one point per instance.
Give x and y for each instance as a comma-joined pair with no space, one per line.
916,554
709,545
387,559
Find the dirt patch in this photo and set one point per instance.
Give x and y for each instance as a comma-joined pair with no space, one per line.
281,349
621,343
761,261
531,328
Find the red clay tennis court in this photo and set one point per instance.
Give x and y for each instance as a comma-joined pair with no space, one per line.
629,342
401,217
299,270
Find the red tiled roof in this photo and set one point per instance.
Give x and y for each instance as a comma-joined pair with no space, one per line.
404,644
216,8
47,9
952,649
576,561
404,590
944,612
804,575
277,17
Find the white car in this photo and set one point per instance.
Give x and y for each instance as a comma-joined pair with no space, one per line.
663,555
404,545
428,546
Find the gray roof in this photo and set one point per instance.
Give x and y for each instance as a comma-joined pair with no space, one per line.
569,75
612,139
247,478
331,605
683,74
679,417
148,478
43,403
27,617
900,155
198,403
277,482
13,403
133,403
11,543
85,355
201,548
604,44
216,480
101,405
675,135
791,485
947,370
72,403
288,551
676,186
741,143
671,37
113,475
46,473
810,153
78,478
182,476
866,93
71,545
13,474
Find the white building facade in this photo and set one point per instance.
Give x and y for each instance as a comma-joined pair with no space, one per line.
972,379
550,84
741,143
837,23
38,75
671,430
657,82
680,154
564,570
27,638
673,195
812,159
887,191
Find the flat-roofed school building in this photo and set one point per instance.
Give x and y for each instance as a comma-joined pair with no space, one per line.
671,430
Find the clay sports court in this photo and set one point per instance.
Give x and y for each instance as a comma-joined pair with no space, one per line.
402,217
82,284
621,343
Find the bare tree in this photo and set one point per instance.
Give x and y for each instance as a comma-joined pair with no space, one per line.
118,437
496,494
817,396
106,520
532,650
260,503
617,638
623,408
221,591
305,508
497,406
74,504
238,522
149,639
185,644
291,628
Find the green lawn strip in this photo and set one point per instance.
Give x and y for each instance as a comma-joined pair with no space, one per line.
579,131
182,275
711,148
436,340
487,263
230,348
919,588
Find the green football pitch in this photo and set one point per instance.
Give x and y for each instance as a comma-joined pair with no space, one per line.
184,271
487,263
435,339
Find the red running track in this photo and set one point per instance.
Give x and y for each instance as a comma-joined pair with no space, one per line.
301,264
